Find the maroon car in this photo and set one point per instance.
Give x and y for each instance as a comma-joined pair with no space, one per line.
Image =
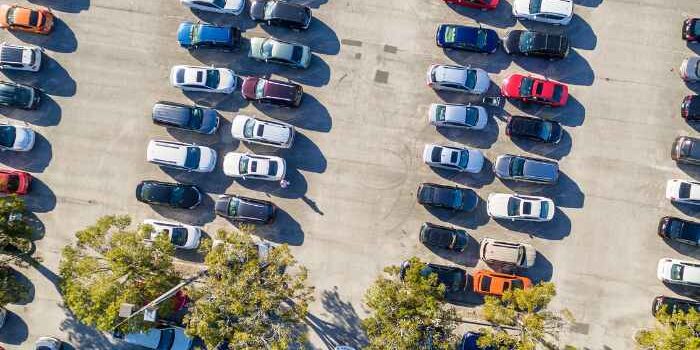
275,92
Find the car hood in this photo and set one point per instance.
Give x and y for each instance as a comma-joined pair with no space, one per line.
237,126
148,339
256,46
221,205
521,7
227,80
24,139
210,121
511,85
277,133
248,87
512,41
663,269
498,204
257,10
184,32
482,81
235,6
182,341
207,159
502,165
476,161
231,163
530,255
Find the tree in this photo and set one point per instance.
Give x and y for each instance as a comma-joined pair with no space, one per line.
249,301
409,314
111,264
11,289
677,331
15,235
525,312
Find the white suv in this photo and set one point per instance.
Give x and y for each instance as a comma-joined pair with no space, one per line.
275,134
678,272
181,156
253,166
557,12
20,57
206,79
683,191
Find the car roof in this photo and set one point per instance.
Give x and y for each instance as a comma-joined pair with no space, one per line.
549,41
289,11
250,208
167,151
556,6
12,54
540,169
691,273
451,73
210,32
280,90
171,113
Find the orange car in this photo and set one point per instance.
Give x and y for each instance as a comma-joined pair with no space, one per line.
17,17
494,283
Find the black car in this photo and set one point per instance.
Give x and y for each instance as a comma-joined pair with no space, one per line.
454,278
679,230
169,194
686,150
18,95
690,108
528,169
539,44
691,29
208,36
671,305
452,36
244,209
443,237
535,129
193,118
448,197
280,13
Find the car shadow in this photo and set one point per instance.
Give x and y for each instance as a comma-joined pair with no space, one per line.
686,291
693,171
314,4
311,115
465,298
474,138
472,220
305,155
321,38
588,3
296,189
225,102
581,35
52,78
500,17
572,114
242,21
34,161
693,46
40,198
552,151
687,209
492,63
478,180
215,182
574,69
343,326
62,38
285,229
685,249
469,257
541,272
47,114
566,193
202,214
37,226
72,6
15,331
556,229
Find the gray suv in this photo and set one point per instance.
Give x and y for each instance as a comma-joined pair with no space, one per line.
686,150
528,169
193,118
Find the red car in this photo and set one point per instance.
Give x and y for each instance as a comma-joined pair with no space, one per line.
14,181
531,89
477,4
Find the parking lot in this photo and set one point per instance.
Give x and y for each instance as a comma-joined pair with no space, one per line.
350,209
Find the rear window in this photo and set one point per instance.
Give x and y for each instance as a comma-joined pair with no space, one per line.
435,156
179,236
516,167
558,90
192,160
485,283
450,34
440,113
297,52
677,272
684,190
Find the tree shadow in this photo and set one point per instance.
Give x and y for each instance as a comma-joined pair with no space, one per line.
15,331
344,327
48,113
285,229
581,35
242,21
465,298
492,63
574,69
542,271
472,220
22,279
556,229
40,198
34,161
321,38
311,115
36,225
693,46
588,3
73,6
501,16
469,257
84,336
318,74
478,180
62,38
474,138
202,214
553,151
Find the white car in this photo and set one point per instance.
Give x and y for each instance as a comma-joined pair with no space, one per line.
453,158
457,116
458,78
207,79
520,207
683,191
678,272
264,132
253,166
47,343
16,138
557,12
181,156
233,7
690,69
20,57
172,338
181,235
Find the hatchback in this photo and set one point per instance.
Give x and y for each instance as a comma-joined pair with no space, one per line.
254,166
520,207
169,194
280,13
458,79
206,79
686,150
15,17
244,209
264,132
194,36
187,117
181,156
20,57
274,92
526,169
495,283
453,158
443,237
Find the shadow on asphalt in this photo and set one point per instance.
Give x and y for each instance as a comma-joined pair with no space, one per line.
34,161
62,38
343,328
483,139
556,229
15,331
73,6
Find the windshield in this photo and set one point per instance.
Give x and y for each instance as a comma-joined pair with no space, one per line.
463,158
526,87
177,196
233,207
260,89
472,116
544,211
12,183
248,128
167,337
516,167
516,284
556,95
526,41
219,3
194,34
11,15
471,78
7,136
192,159
266,49
513,206
440,112
677,272
535,6
684,190
196,117
212,78
457,200
179,236
450,34
243,165
545,130
481,38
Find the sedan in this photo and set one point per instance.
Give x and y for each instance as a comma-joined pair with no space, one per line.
494,283
691,29
280,13
48,343
453,36
181,156
443,237
264,132
458,116
180,235
207,79
520,207
194,36
14,181
557,12
670,305
527,169
453,158
679,230
253,166
535,90
683,191
536,44
278,51
448,197
533,128
232,7
15,17
690,69
270,91
16,138
244,209
686,150
678,272
169,194
454,278
458,79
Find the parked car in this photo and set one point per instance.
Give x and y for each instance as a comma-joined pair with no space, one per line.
244,209
691,29
169,194
170,338
194,36
535,90
469,342
686,150
20,57
513,254
690,108
450,115
495,283
557,12
231,7
274,92
477,4
678,272
264,132
274,50
458,78
180,235
443,237
690,69
520,207
14,181
453,158
683,191
533,128
679,230
477,39
206,79
3,316
280,13
454,278
254,166
537,44
48,343
16,138
35,20
671,305
195,118
448,197
526,169
19,95
181,156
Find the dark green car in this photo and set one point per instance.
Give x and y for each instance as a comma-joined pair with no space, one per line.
18,95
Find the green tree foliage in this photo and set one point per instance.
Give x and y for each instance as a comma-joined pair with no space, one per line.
111,264
247,300
409,314
15,235
677,331
11,289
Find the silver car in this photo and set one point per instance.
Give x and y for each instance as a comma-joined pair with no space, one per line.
457,116
207,79
20,57
458,78
274,50
690,69
233,7
527,169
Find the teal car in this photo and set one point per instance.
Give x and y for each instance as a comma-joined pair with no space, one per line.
274,50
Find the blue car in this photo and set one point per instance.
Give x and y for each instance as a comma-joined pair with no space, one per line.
203,35
452,36
469,340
